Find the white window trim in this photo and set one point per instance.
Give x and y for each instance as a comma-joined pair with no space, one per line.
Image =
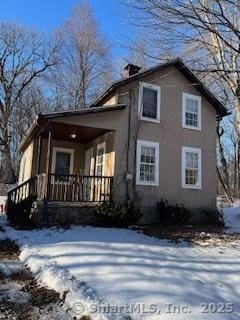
64,150
199,152
155,145
100,146
140,101
194,97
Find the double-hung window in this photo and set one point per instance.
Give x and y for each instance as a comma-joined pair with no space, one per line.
147,163
191,111
191,168
149,102
100,159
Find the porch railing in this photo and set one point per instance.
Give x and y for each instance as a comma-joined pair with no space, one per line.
23,191
77,188
63,188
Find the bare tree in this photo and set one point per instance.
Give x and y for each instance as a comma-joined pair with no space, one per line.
32,101
24,57
84,65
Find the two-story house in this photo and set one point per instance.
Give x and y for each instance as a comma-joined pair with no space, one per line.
149,136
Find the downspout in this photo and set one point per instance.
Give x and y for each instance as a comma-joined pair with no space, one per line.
128,146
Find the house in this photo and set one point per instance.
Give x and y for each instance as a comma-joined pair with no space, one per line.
149,136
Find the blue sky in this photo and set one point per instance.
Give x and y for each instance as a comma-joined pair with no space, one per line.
46,15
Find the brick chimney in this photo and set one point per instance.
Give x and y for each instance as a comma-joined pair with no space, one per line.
130,69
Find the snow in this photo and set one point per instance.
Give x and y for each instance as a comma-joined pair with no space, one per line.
12,292
8,267
231,217
119,267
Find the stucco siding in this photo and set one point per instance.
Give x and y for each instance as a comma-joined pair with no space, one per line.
25,171
111,101
171,138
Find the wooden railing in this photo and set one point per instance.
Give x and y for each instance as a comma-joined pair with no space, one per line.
77,188
23,191
71,188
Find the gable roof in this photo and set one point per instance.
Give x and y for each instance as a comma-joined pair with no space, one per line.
187,73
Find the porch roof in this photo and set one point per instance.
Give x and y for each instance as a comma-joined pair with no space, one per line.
63,131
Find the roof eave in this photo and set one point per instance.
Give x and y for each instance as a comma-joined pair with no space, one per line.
220,109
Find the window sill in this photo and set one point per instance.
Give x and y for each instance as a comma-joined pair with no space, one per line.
147,184
149,119
193,187
192,128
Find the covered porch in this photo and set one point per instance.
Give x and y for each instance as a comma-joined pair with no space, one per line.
77,164
71,163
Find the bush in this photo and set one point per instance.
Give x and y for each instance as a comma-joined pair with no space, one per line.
214,217
115,214
19,215
172,215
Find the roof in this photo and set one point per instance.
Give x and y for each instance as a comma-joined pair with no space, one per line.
77,112
43,118
179,64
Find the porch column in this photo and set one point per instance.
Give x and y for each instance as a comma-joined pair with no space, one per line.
39,154
49,152
48,172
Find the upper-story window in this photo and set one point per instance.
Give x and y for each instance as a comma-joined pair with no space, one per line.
149,102
191,111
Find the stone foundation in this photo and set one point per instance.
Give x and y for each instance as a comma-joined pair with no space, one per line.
67,213
64,214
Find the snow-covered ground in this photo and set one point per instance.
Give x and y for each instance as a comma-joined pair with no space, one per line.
126,270
232,218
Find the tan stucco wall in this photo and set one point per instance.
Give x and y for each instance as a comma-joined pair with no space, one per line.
113,99
171,137
25,171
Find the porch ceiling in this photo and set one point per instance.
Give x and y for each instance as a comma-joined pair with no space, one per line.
62,131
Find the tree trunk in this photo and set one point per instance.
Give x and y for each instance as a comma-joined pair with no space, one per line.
8,175
225,189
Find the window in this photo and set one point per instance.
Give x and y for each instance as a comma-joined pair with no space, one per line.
149,102
191,111
191,168
147,163
100,159
62,163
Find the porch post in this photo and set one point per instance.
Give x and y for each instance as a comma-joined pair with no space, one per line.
49,149
48,172
39,154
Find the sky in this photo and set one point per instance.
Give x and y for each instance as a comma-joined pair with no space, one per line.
46,15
